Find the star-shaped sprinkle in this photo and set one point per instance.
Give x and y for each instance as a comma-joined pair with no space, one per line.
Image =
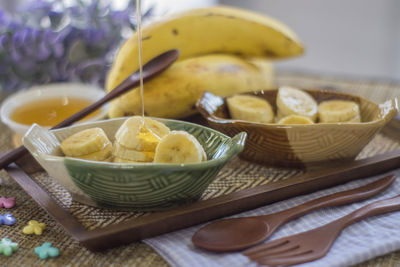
7,219
7,247
46,250
34,227
7,203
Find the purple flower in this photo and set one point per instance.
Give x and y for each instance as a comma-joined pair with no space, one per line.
3,41
15,55
75,46
55,18
58,50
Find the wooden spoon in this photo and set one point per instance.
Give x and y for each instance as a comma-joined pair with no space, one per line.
315,243
240,233
150,70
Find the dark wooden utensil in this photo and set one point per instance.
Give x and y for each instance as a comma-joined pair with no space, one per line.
240,233
150,70
314,244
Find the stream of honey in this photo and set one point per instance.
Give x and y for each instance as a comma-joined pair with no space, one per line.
145,132
139,34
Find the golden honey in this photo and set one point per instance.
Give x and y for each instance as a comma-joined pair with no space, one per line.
49,112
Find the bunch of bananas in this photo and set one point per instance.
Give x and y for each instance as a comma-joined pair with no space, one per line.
294,106
222,50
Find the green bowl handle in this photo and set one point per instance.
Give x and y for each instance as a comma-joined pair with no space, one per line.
238,142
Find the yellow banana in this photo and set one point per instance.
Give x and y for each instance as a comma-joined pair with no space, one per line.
174,92
179,147
120,160
102,155
293,101
295,119
85,142
339,111
119,151
250,108
217,29
133,134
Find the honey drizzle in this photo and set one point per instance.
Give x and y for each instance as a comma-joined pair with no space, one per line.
139,34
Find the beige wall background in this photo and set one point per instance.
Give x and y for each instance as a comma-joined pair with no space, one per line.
358,38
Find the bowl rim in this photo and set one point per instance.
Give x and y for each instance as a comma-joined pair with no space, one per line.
236,146
233,123
38,92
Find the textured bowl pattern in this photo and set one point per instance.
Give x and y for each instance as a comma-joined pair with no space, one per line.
300,145
126,186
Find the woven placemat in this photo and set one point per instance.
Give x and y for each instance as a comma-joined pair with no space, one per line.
237,175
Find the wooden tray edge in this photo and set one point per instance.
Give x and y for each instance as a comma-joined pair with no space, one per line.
206,210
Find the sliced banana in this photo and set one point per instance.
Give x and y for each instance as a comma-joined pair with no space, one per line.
250,108
120,160
85,142
279,116
133,134
293,101
295,119
339,111
204,156
179,147
109,159
101,155
123,152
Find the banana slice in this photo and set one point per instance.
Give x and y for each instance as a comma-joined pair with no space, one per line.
120,160
278,116
295,119
339,111
250,108
293,101
123,152
85,142
109,159
179,147
101,155
204,156
133,134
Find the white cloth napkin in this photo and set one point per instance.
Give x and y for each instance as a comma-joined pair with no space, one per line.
357,243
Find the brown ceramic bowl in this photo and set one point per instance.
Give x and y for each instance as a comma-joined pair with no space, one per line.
300,145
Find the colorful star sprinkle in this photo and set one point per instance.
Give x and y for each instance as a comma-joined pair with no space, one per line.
7,203
7,247
34,227
46,250
7,219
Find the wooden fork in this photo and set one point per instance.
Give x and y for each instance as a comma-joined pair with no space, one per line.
315,243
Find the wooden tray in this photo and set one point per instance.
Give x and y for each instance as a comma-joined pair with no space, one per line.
153,224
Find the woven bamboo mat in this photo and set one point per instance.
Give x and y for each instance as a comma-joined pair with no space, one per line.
237,175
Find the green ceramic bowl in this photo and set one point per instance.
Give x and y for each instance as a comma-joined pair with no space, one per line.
127,186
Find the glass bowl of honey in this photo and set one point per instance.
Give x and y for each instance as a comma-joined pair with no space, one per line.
49,104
